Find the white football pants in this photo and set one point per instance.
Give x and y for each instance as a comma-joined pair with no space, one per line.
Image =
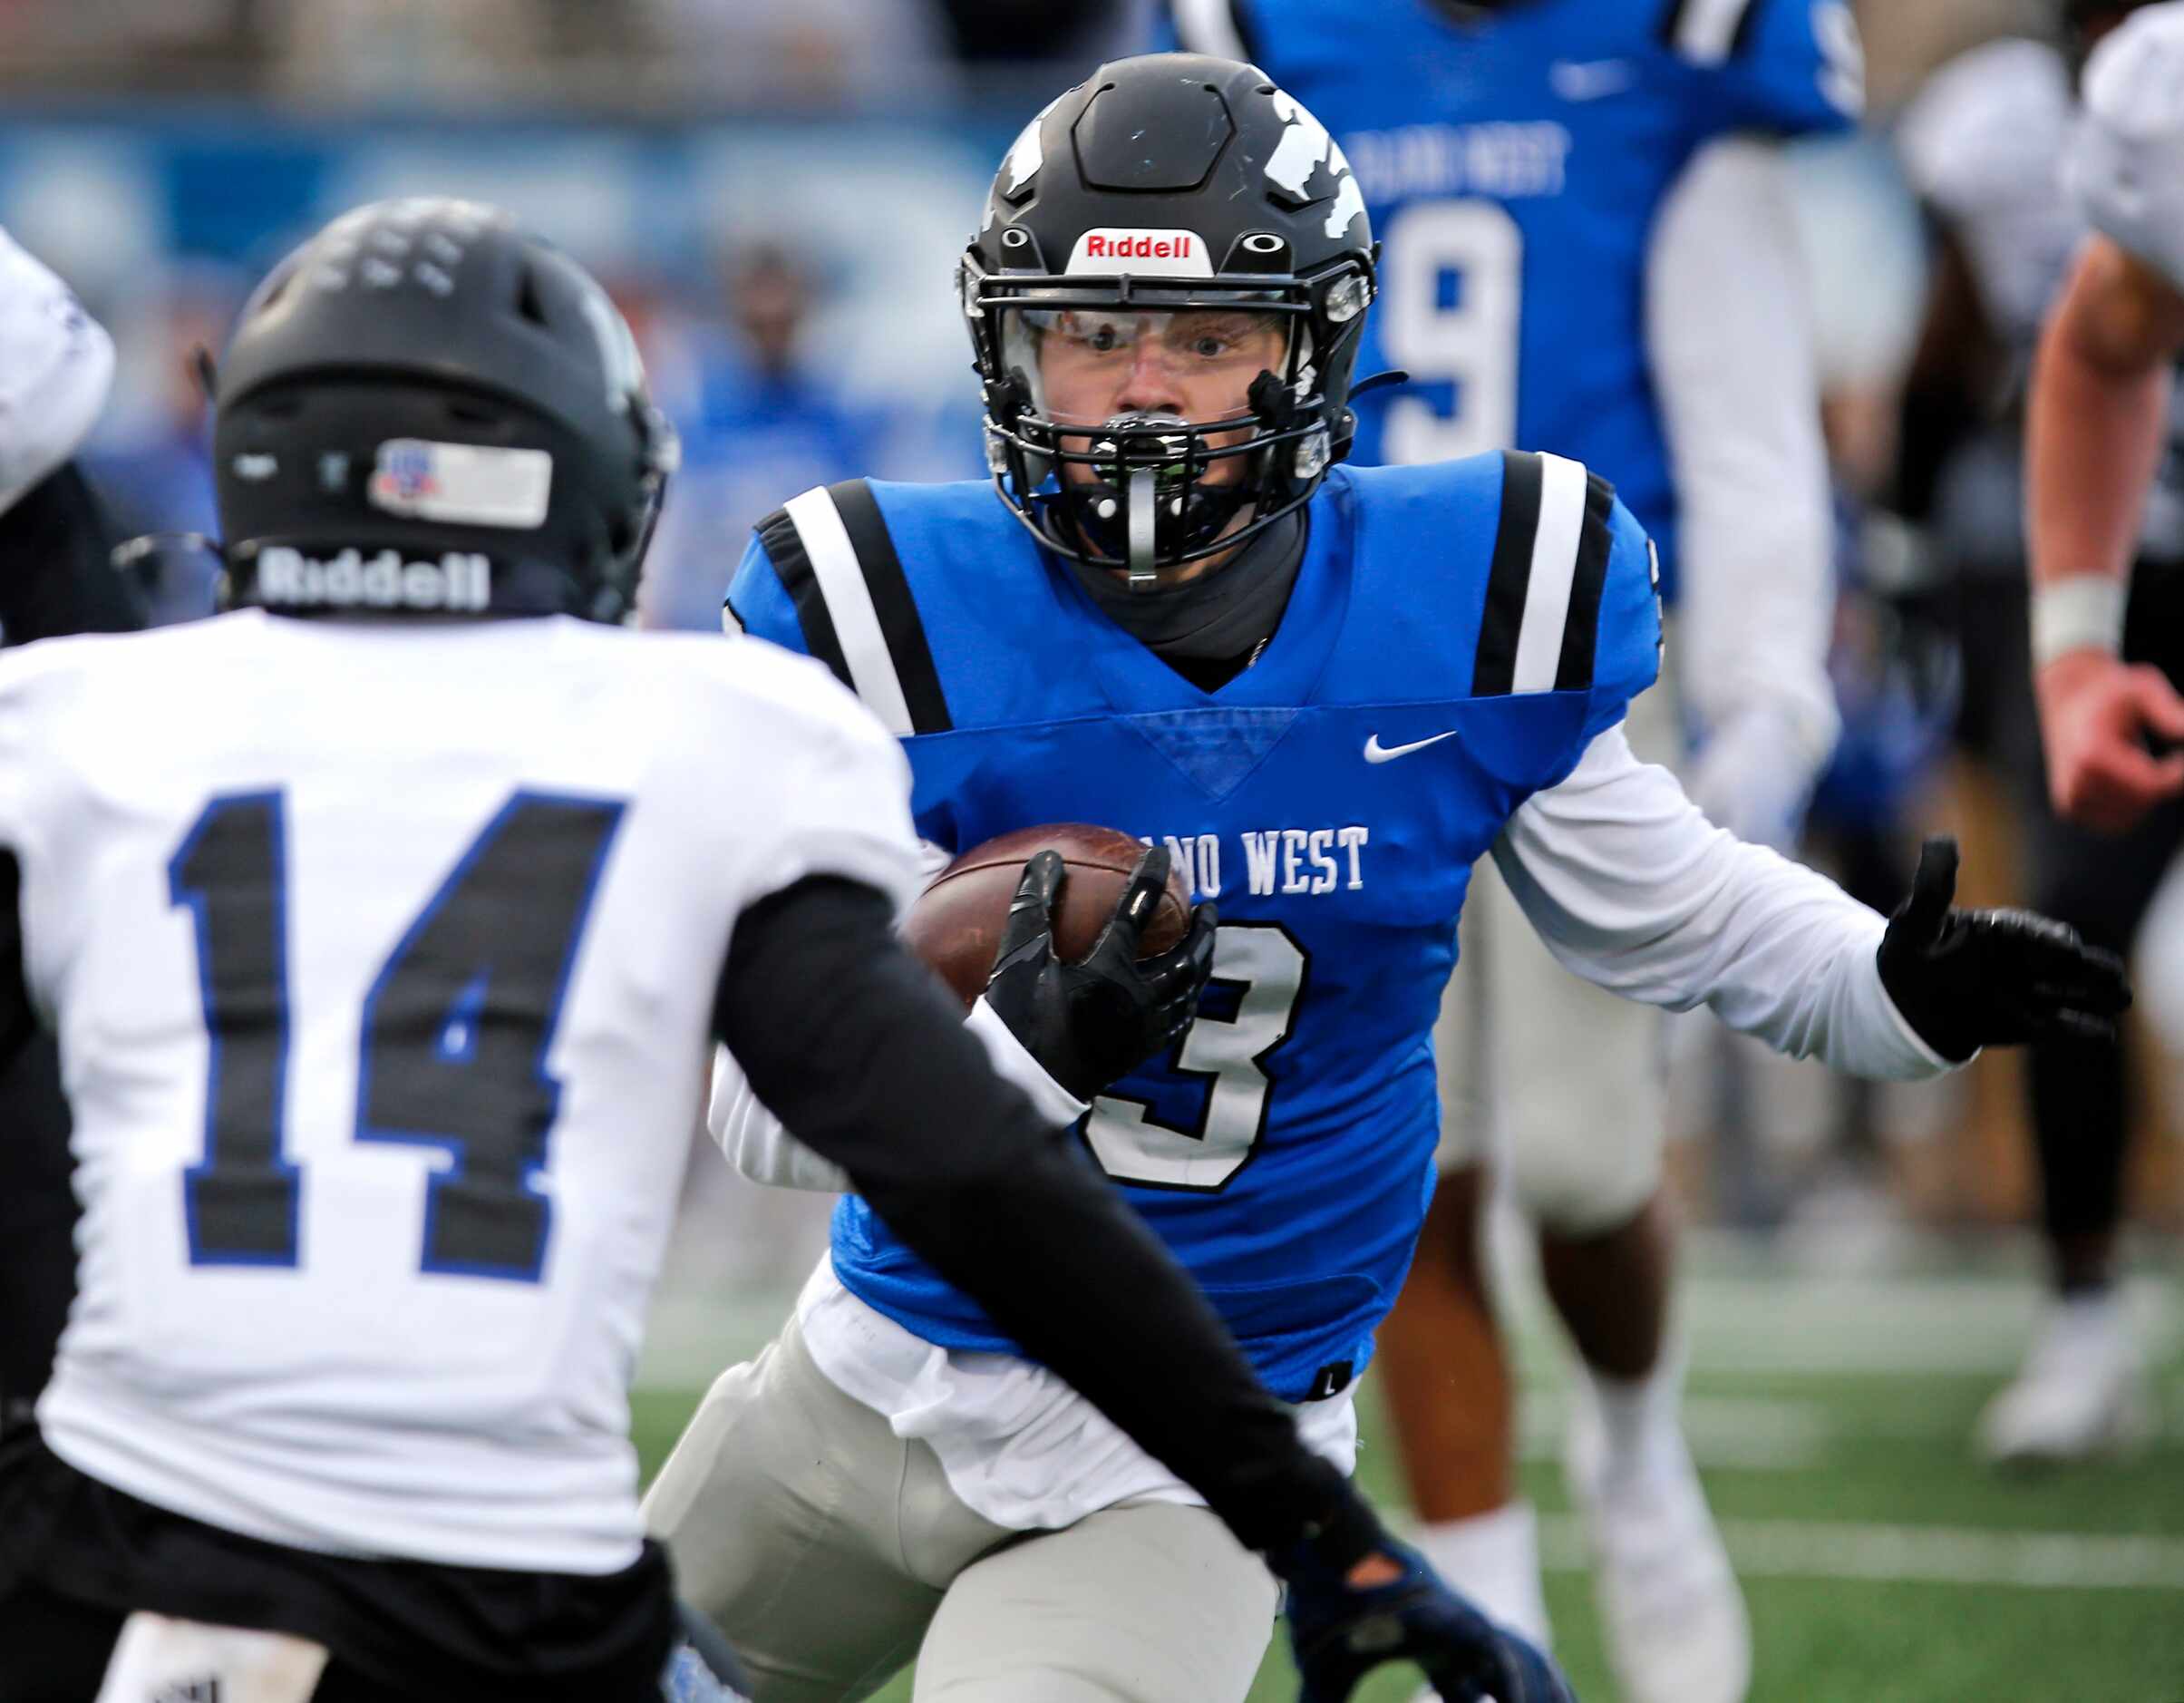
832,1553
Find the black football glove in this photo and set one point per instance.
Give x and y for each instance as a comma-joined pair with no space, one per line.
1091,1023
1966,979
1339,1633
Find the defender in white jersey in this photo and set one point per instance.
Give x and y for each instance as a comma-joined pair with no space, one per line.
386,925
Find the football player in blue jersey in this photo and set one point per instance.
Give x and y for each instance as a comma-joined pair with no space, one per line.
1589,248
1326,692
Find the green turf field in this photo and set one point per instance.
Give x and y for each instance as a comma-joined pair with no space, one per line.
1882,1564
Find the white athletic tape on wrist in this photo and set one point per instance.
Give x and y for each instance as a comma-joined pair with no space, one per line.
2083,612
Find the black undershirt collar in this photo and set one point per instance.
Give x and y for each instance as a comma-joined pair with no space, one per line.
1211,629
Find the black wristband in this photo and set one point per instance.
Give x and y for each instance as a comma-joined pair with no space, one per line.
1348,1532
1313,1519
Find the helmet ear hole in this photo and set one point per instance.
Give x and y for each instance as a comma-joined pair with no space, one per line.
529,305
277,289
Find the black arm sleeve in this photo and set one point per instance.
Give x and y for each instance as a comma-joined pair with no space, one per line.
57,577
18,1018
37,1211
56,565
855,1046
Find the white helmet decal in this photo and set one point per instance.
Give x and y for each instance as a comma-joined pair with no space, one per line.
1029,153
1304,145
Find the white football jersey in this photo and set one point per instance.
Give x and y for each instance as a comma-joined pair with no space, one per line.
382,960
2126,165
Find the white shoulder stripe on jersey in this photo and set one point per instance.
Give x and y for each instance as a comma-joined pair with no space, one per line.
1706,29
1562,492
1208,26
842,582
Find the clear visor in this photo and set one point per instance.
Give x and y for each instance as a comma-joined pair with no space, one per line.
1088,366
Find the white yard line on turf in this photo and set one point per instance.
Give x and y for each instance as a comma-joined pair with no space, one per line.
1750,1434
1770,1433
1940,1555
1932,1325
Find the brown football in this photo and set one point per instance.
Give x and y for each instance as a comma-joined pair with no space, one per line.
955,925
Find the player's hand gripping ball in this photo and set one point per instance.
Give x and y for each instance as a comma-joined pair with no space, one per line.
958,923
1082,942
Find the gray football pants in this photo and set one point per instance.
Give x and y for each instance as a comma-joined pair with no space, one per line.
832,1553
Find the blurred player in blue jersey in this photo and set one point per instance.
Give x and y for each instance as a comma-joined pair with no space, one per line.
1328,692
1588,249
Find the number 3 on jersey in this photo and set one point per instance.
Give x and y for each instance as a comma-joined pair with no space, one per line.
1452,307
452,1042
1265,967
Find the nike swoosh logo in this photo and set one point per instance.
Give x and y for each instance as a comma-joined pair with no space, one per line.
1377,752
1591,80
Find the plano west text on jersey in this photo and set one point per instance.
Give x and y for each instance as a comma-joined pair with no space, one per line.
1275,859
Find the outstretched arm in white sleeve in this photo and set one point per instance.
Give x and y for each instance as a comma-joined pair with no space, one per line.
1631,888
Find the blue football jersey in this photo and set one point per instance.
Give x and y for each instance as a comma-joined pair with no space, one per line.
1514,161
1456,637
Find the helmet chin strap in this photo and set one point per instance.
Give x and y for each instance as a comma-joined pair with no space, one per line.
1144,517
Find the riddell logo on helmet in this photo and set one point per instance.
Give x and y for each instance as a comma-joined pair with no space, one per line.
1145,248
1111,251
461,582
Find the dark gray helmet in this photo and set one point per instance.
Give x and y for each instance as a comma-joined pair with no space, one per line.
1170,183
425,409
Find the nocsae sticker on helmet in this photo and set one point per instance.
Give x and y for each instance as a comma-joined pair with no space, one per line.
470,484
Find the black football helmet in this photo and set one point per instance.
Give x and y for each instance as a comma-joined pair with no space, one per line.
425,409
1170,182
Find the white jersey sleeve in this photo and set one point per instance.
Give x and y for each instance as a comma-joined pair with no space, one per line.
1634,890
56,367
842,799
2125,167
1730,337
